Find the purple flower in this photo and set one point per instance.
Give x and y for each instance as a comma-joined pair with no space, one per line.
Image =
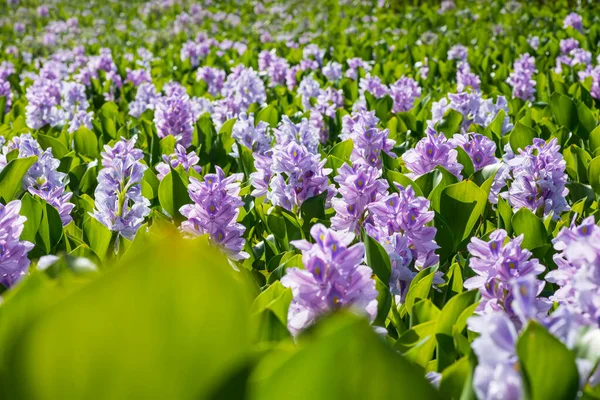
537,179
6,92
13,252
566,45
42,179
497,373
215,211
312,51
521,79
577,274
369,141
373,85
297,175
138,76
261,179
404,93
328,101
465,78
333,278
433,150
534,42
333,71
359,186
174,116
480,149
405,213
119,203
458,52
574,21
308,88
19,27
446,5
43,11
255,138
74,99
43,99
193,51
354,64
506,277
303,133
179,157
146,98
214,78
81,119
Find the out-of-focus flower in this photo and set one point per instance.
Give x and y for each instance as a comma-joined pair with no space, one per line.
574,21
465,78
458,52
333,71
303,133
521,79
255,138
333,278
146,98
214,78
405,91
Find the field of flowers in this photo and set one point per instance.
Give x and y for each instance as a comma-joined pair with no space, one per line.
337,199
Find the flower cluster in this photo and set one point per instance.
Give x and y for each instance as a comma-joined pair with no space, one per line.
119,203
400,224
302,133
43,101
536,178
146,98
43,178
13,252
215,211
521,79
369,141
404,93
174,116
214,78
179,157
506,277
433,150
480,149
255,138
359,186
333,278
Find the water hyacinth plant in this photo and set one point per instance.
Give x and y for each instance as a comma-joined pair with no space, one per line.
286,196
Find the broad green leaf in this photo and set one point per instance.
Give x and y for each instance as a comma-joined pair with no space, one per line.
564,110
526,223
173,194
343,349
594,174
269,115
450,124
377,259
462,205
98,236
521,137
548,367
342,150
11,177
85,142
32,210
50,230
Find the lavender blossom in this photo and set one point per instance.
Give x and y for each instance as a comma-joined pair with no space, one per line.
369,141
359,186
138,76
405,93
255,138
574,21
333,278
43,99
480,149
373,85
458,52
302,133
119,203
505,274
146,98
13,252
521,79
297,175
465,78
433,150
42,179
214,78
215,211
179,157
174,116
333,71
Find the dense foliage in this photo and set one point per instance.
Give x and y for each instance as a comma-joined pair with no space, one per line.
337,199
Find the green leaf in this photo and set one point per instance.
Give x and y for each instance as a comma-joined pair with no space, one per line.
98,236
173,194
343,349
456,378
594,140
342,150
594,174
32,210
124,353
587,121
521,137
269,313
420,287
450,124
564,110
464,159
11,177
268,114
50,230
401,179
577,161
462,204
313,208
547,366
59,150
526,223
108,116
377,259
85,142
